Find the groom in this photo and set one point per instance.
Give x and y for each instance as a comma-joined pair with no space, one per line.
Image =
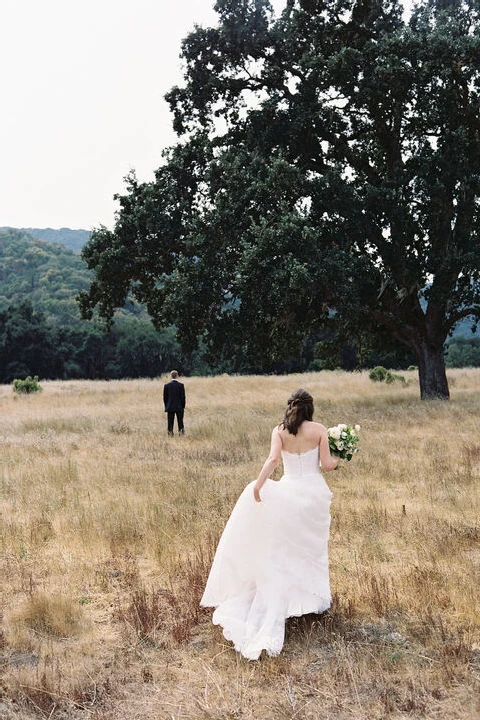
174,401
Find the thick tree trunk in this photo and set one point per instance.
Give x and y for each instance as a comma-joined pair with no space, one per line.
425,333
431,372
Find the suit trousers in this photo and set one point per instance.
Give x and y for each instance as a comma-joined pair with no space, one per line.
171,419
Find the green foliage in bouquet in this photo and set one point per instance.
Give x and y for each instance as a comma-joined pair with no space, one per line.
27,386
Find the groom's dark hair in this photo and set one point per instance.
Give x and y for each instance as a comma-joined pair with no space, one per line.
299,408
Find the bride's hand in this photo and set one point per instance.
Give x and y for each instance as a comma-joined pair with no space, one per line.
256,494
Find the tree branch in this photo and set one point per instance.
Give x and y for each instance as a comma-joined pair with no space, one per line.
465,312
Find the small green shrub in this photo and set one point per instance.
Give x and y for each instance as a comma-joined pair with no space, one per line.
27,386
381,374
412,367
316,365
378,374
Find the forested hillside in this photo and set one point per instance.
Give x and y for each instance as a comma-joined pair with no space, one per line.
41,332
73,239
48,275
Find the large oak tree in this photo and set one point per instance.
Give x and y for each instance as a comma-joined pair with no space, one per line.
327,172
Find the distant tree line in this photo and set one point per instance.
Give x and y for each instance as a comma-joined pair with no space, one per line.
463,352
30,345
41,332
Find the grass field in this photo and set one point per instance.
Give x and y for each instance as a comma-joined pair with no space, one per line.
109,528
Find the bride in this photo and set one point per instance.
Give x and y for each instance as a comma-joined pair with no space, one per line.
272,560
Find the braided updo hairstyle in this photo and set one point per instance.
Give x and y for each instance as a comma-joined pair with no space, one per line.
299,408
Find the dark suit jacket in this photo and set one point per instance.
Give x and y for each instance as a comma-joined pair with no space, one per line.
174,396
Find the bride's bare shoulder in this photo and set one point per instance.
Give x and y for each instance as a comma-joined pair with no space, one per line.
317,427
278,431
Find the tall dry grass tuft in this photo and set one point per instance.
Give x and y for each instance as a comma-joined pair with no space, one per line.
46,614
157,615
110,528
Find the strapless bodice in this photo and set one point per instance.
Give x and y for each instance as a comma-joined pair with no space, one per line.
299,464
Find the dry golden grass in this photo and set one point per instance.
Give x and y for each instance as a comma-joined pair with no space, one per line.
109,527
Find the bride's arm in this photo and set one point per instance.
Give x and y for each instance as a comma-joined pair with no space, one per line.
327,460
270,463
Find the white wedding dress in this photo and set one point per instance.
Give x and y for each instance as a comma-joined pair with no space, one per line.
272,559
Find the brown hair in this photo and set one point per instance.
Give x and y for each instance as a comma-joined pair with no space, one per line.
299,408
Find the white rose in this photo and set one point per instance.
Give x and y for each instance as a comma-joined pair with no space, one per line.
334,433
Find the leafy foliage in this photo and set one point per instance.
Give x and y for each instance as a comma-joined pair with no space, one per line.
30,344
27,386
47,275
378,373
327,173
41,332
463,352
391,377
381,374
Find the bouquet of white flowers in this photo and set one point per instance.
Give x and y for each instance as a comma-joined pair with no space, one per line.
343,440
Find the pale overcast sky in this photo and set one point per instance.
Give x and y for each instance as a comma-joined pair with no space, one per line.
81,90
81,87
